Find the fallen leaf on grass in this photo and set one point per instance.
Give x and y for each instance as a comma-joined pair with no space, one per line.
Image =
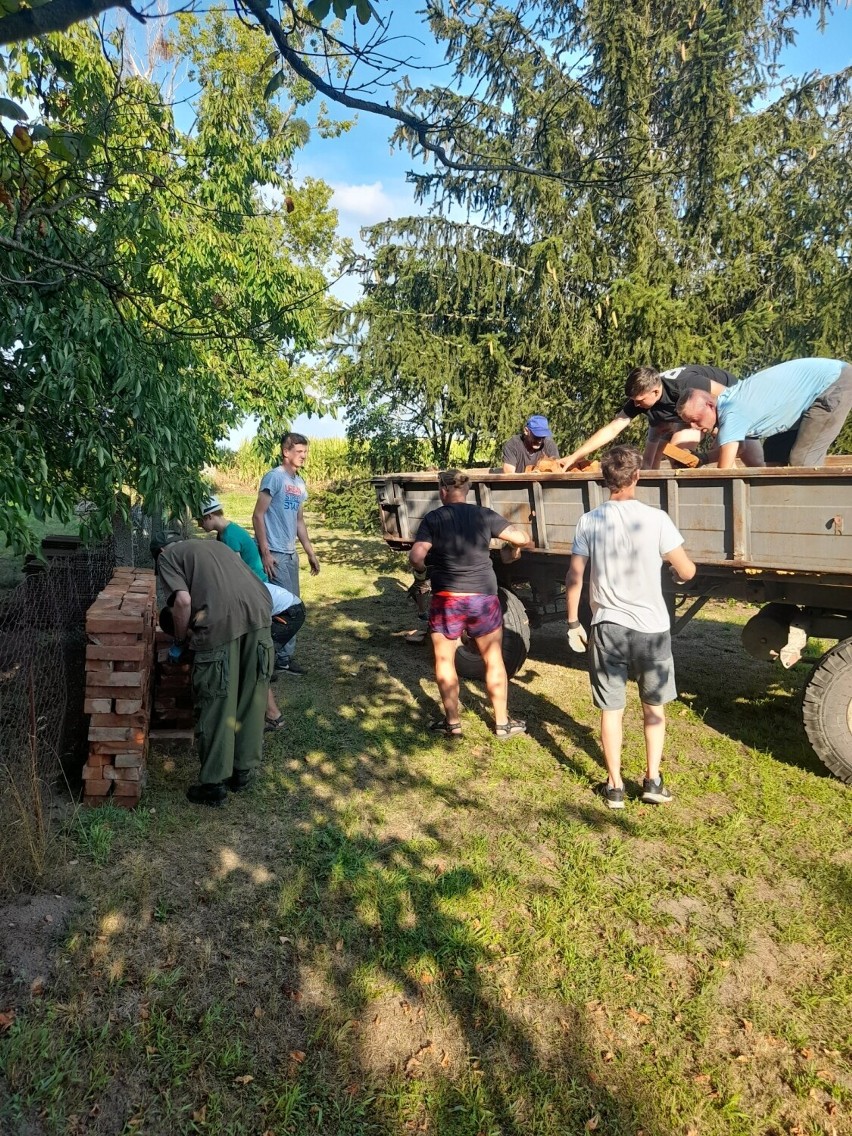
258,1012
607,1056
639,1018
6,1020
352,1090
445,1061
200,1115
806,1052
246,1079
297,1055
426,979
593,1122
37,987
746,1024
831,1108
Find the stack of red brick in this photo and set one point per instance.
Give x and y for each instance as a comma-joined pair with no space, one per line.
119,663
172,716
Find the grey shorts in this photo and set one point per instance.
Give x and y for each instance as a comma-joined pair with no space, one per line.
616,653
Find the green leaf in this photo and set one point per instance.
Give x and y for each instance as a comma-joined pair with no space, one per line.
8,109
365,11
319,9
341,7
274,84
41,133
65,69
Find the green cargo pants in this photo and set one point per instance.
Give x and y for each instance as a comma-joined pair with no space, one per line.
230,684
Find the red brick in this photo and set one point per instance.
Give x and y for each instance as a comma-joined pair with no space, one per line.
128,761
93,772
97,706
135,650
96,760
113,679
113,624
113,733
98,788
123,665
113,639
121,802
127,705
128,774
120,720
118,745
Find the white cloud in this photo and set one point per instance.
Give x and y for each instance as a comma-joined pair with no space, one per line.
371,203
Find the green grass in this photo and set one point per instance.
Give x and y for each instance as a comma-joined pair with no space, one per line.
395,934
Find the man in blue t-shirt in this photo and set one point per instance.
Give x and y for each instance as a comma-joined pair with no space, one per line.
279,520
799,406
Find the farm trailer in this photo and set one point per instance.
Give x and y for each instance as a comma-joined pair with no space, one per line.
776,537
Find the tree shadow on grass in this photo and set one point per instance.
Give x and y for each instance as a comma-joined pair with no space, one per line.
339,949
755,702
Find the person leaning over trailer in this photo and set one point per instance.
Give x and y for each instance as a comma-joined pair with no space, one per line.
528,448
799,407
631,630
456,539
288,611
217,606
655,394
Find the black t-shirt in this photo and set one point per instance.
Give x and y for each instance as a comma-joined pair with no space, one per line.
516,453
694,376
460,535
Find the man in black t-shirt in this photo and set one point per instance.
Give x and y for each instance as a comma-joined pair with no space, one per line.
528,448
456,539
655,394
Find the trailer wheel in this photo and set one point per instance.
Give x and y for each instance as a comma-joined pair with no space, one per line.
827,709
516,641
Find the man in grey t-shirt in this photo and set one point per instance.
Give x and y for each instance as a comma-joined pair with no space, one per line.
279,520
626,542
528,448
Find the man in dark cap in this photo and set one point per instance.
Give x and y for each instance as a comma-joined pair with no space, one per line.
525,450
217,606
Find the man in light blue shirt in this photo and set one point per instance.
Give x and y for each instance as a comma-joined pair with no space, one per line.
279,521
799,406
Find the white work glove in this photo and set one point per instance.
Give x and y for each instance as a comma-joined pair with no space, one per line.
578,640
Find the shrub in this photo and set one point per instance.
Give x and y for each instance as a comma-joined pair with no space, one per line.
348,503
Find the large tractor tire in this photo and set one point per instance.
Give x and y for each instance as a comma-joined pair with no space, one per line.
827,709
516,641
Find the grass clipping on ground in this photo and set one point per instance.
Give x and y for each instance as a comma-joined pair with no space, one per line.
394,934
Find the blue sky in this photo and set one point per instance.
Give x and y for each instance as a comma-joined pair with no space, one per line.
369,177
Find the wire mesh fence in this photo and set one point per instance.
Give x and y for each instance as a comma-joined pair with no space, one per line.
42,677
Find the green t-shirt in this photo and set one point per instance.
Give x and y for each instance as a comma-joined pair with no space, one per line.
227,598
236,537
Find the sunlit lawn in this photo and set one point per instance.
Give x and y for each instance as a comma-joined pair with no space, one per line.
392,934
